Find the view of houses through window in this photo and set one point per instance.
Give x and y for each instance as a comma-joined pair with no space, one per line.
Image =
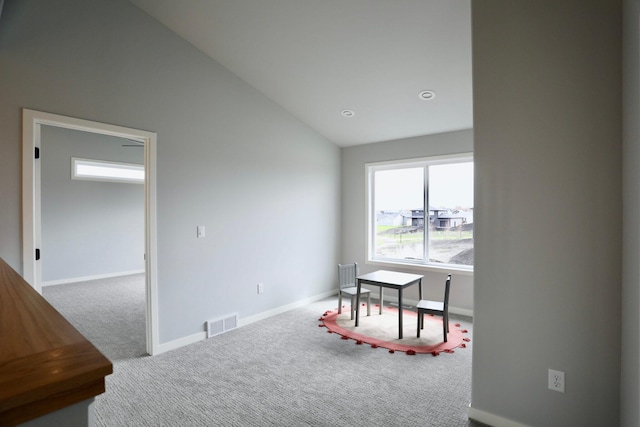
400,230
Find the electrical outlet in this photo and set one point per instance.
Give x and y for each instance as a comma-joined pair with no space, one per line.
556,380
260,288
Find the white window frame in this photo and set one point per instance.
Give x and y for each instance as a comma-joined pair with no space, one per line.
370,169
120,172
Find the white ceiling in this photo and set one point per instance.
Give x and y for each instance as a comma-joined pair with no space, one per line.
316,58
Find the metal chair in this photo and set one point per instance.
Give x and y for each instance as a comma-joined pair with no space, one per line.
438,308
347,276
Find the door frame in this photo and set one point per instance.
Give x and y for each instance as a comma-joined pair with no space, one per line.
32,121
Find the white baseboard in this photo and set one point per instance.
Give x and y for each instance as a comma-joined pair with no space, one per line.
194,338
413,302
283,309
460,311
191,339
181,342
87,278
491,419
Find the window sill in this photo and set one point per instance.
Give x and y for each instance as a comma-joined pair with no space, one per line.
462,270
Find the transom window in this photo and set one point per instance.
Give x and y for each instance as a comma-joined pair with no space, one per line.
421,211
102,170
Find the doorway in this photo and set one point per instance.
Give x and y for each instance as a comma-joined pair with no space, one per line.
33,121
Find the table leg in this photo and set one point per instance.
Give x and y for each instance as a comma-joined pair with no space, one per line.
358,301
420,318
400,313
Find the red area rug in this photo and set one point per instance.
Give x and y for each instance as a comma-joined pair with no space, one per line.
382,331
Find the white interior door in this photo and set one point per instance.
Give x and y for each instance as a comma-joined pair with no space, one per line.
31,142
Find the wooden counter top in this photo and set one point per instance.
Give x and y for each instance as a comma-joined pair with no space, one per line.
45,363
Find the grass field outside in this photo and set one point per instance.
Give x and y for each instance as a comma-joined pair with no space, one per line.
452,246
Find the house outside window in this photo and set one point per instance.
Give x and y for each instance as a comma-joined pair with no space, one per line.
397,195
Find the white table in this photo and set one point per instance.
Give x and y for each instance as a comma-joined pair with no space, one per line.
388,279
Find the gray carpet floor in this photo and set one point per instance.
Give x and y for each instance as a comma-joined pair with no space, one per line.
283,371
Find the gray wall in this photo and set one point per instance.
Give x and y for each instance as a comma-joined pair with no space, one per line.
266,186
630,378
89,228
547,135
354,237
547,118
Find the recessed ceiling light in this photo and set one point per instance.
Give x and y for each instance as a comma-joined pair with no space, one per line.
427,95
347,113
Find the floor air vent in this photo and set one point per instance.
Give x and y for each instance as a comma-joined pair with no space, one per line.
221,324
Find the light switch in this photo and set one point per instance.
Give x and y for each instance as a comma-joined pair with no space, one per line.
200,231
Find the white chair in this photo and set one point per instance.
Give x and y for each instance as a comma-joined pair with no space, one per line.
347,276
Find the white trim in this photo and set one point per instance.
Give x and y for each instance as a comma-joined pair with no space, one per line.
181,342
461,311
432,160
151,245
88,278
200,336
30,199
31,124
413,302
445,268
283,309
491,419
369,169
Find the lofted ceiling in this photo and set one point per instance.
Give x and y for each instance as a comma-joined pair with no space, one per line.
316,58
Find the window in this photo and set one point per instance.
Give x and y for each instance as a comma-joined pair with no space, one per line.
421,211
101,170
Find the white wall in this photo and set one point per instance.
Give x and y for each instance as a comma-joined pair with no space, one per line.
354,213
89,228
630,378
547,135
265,185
